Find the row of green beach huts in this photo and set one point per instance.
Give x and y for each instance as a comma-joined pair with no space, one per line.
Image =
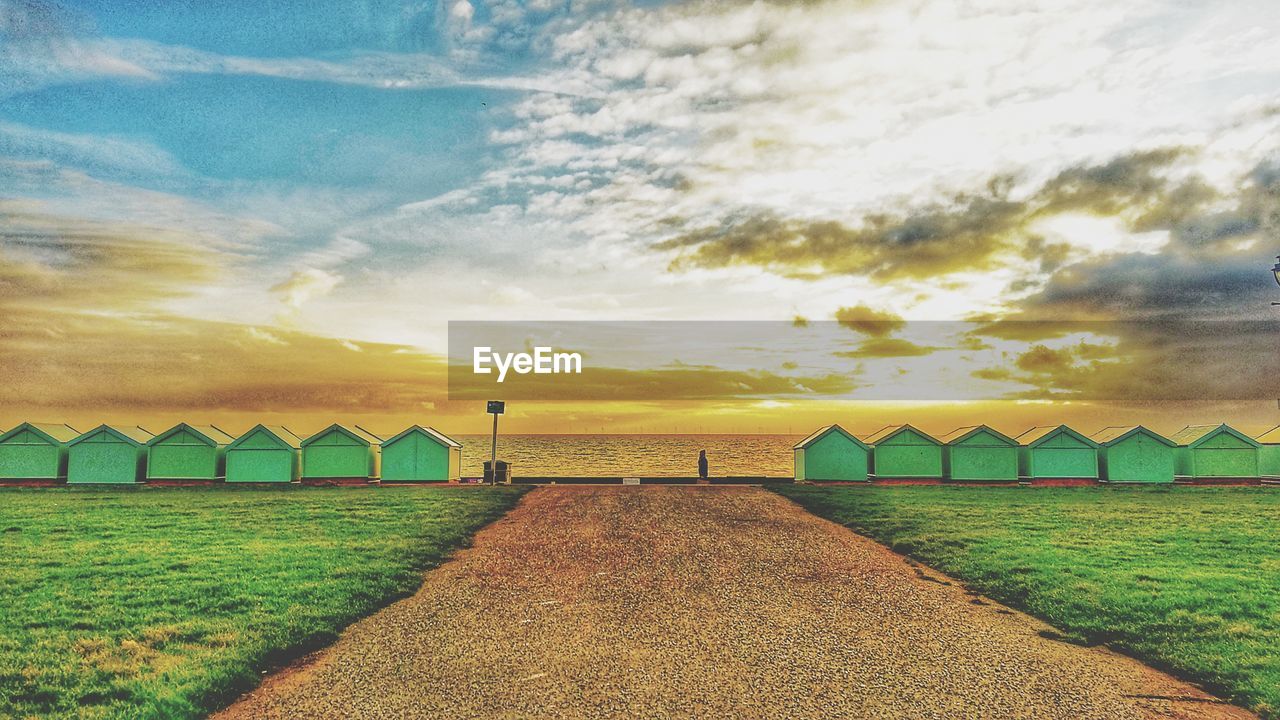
38,452
1049,454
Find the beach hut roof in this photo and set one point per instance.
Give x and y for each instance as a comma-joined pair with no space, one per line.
1270,437
1036,433
431,432
131,434
369,435
55,433
885,433
279,432
1193,435
444,439
212,434
355,433
1116,433
822,432
1041,433
960,434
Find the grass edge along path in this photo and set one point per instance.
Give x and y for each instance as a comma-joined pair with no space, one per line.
1186,580
171,603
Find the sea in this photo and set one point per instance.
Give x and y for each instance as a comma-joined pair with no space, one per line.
636,455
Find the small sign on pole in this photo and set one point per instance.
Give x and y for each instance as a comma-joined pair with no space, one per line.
496,407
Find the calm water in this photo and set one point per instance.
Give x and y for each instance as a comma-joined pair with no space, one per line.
632,455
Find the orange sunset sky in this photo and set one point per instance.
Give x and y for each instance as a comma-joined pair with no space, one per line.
213,217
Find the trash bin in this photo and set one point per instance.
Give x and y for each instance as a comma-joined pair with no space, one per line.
504,472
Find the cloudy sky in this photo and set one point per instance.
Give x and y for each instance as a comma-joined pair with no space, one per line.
271,210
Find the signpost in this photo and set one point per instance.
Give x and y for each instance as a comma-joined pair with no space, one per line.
496,407
1276,271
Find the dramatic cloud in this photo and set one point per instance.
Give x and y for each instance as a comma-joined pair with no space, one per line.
85,327
147,366
315,205
938,240
1156,286
887,348
1214,265
972,233
1175,363
869,321
89,266
1136,185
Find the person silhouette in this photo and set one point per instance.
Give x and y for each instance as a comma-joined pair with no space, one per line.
702,464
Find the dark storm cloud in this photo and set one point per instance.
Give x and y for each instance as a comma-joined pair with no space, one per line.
970,231
1126,183
1154,286
1217,264
1148,309
962,235
1187,329
1180,334
1173,361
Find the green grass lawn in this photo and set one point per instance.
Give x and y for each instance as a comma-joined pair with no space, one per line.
1187,579
166,603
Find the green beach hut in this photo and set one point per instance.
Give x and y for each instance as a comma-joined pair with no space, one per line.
340,453
1215,452
832,453
980,454
1134,454
108,455
1052,452
902,452
35,451
265,454
1269,454
421,454
188,452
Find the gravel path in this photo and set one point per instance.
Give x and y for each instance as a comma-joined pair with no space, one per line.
678,602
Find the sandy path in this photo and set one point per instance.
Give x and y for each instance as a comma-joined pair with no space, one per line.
676,602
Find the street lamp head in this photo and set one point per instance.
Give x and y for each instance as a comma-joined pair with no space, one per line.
1276,270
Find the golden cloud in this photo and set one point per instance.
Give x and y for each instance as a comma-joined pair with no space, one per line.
663,384
55,261
869,321
1197,362
84,329
74,361
971,232
940,239
887,348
